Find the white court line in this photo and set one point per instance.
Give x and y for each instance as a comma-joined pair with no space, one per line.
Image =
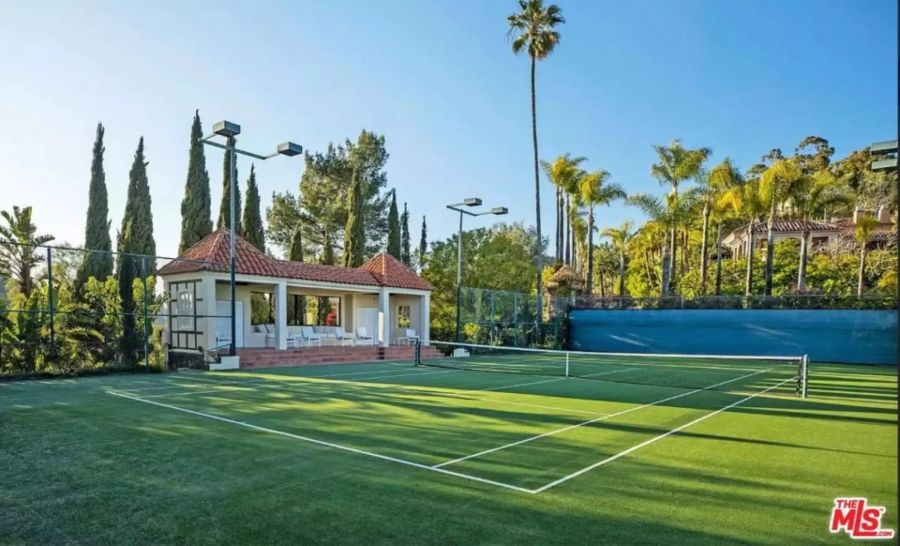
655,439
227,390
596,419
294,384
414,388
326,444
522,384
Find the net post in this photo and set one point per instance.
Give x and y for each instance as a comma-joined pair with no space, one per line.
567,364
417,352
804,385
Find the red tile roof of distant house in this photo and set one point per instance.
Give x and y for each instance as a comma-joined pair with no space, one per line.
212,254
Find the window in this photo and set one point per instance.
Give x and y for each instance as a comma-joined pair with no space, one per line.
313,310
185,330
184,311
296,310
262,308
819,241
403,317
323,310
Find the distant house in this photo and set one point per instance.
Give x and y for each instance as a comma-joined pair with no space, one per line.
278,298
820,232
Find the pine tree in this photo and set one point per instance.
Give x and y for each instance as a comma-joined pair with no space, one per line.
296,250
135,240
225,208
354,232
405,254
196,205
327,249
251,225
97,264
393,241
423,245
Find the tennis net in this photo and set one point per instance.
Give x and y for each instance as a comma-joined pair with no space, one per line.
709,372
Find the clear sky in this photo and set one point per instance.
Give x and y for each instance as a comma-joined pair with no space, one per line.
438,79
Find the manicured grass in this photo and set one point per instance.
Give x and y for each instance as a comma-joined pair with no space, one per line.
344,454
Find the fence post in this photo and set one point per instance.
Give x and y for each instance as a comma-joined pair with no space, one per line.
146,320
50,295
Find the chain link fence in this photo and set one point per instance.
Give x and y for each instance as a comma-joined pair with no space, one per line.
497,317
799,301
71,311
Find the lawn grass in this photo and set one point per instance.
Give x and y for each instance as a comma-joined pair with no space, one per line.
81,465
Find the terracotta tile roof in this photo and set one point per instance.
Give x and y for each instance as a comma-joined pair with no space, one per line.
212,254
325,273
390,271
783,226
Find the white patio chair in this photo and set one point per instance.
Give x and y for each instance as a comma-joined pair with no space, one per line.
308,336
363,338
409,336
342,337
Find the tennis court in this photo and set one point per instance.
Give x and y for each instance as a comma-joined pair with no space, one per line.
522,420
684,450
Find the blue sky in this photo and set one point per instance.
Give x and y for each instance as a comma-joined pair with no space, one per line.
438,79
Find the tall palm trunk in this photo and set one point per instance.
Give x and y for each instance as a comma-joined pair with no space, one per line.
804,252
673,255
770,249
621,274
568,228
684,252
718,258
861,284
748,284
704,259
666,265
559,223
602,284
539,261
590,252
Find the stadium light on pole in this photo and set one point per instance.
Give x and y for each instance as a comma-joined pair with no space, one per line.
229,130
458,207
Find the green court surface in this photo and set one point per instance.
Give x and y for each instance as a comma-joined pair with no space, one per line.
387,453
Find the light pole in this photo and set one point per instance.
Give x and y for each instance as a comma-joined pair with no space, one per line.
230,130
470,202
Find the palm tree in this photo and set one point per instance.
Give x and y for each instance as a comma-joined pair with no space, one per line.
722,179
865,225
18,247
621,238
596,190
676,164
810,199
745,202
563,172
534,32
668,212
775,187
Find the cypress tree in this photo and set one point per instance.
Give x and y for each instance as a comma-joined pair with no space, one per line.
225,208
354,232
423,244
135,239
96,228
295,253
251,225
405,254
393,242
196,205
